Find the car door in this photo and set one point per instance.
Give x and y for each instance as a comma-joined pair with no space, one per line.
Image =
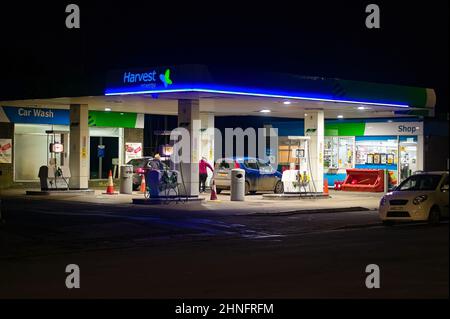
267,178
443,196
252,174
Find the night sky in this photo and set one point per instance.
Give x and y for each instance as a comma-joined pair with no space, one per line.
41,58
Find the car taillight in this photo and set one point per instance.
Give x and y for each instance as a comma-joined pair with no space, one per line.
140,170
236,165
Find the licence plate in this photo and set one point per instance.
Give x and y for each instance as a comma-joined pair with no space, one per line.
223,174
396,208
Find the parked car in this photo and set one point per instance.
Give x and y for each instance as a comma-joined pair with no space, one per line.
143,164
420,197
259,175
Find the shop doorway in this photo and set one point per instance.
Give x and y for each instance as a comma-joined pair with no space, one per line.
104,154
408,157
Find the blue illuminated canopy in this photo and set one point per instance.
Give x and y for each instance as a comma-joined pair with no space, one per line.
198,79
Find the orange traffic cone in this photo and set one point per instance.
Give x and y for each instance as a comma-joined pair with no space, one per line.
143,186
213,190
110,187
325,187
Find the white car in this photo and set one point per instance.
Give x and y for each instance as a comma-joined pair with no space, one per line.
420,197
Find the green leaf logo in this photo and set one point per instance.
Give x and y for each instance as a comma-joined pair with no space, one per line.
165,78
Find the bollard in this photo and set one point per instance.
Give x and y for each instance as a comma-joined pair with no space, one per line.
386,181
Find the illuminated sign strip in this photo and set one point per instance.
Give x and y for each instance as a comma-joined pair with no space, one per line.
255,94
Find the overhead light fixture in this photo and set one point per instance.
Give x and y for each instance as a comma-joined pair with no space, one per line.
265,111
306,114
107,109
340,116
287,102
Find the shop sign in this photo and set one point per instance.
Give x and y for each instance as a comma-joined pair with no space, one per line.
6,151
394,128
374,129
132,151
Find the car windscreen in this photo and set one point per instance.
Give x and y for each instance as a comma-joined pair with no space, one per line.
264,167
422,182
137,162
224,164
251,163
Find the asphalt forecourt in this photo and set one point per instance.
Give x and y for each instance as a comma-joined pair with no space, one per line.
254,204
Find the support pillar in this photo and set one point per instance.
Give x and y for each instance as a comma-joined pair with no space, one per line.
315,129
207,140
189,118
79,146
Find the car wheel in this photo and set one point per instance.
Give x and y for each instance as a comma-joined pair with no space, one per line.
136,187
434,217
388,223
247,188
218,190
279,188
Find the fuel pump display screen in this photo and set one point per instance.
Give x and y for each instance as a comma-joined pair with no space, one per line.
56,148
299,153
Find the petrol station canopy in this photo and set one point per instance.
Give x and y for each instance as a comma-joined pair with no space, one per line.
224,92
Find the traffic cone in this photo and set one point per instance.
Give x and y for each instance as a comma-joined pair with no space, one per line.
213,190
143,186
325,186
110,187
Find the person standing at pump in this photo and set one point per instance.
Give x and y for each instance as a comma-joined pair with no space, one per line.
158,162
203,166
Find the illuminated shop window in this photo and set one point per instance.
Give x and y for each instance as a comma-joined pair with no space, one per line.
339,152
377,152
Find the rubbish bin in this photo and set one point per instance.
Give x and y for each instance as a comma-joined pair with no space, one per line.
126,179
237,188
153,180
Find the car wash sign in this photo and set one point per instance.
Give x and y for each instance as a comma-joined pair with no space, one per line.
31,115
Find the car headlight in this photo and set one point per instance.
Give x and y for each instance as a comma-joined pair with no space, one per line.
383,201
420,199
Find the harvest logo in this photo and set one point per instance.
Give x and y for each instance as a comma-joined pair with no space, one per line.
147,77
129,77
165,78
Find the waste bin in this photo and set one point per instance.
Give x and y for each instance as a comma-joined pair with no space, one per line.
126,179
153,180
237,188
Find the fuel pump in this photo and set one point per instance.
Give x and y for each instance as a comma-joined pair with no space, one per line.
297,179
55,175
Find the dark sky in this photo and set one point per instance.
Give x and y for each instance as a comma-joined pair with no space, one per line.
325,38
